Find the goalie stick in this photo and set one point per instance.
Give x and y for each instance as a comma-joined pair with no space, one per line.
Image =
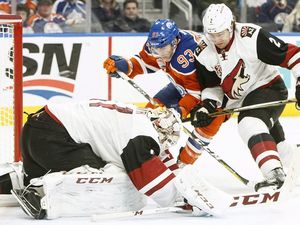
279,195
223,163
142,212
238,200
30,200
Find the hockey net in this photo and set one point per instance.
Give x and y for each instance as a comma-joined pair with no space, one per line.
11,106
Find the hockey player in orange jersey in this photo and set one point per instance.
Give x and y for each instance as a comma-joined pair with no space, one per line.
171,50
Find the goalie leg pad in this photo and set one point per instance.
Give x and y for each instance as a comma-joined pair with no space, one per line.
11,177
89,191
286,152
200,194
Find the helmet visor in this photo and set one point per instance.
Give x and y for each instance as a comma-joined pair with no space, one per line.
164,53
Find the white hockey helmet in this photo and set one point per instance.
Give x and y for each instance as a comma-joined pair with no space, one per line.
167,123
217,18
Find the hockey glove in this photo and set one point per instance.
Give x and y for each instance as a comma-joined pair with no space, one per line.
114,63
298,93
199,114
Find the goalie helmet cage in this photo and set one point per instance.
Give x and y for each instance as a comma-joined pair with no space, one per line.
11,91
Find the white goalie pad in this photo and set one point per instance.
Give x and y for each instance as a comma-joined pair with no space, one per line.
200,194
86,191
15,171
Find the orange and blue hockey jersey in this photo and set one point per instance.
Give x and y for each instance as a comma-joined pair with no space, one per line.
181,69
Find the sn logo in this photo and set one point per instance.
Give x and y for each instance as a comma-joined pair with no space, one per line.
49,51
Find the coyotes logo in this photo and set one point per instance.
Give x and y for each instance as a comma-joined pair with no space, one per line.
232,84
247,31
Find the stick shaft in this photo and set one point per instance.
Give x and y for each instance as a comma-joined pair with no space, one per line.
137,87
98,217
256,106
217,157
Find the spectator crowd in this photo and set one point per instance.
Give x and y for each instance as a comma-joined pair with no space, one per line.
57,16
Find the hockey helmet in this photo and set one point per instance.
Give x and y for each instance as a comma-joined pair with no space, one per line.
217,18
167,123
162,33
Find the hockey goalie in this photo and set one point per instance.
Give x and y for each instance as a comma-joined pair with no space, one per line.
104,157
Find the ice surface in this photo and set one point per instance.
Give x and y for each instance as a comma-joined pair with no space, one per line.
229,146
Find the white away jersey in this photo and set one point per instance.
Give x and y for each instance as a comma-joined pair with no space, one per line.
107,126
247,63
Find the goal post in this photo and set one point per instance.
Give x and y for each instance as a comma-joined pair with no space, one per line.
11,87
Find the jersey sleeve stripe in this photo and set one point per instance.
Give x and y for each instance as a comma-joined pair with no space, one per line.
291,56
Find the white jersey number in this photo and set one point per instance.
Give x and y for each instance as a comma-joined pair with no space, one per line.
272,40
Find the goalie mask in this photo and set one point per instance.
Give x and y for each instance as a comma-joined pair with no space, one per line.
167,124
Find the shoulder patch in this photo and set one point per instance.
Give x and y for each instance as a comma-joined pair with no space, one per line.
202,45
247,31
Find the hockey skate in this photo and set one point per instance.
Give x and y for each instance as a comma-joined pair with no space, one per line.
274,181
30,202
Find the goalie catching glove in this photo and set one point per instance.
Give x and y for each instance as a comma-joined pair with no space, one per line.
199,114
115,63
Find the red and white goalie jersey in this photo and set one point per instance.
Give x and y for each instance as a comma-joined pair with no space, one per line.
121,136
247,63
102,124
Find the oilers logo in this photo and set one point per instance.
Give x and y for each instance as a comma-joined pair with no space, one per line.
169,25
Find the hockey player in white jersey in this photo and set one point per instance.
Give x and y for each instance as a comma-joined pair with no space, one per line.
244,56
130,141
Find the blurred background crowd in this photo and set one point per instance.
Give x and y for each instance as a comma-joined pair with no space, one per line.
58,16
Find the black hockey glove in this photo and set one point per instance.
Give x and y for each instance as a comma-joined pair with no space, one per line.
199,114
298,93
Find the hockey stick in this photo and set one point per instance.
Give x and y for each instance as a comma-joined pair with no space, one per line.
218,158
249,107
238,201
137,87
279,195
256,106
142,212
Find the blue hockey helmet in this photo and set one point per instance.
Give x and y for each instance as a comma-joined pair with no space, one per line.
162,33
